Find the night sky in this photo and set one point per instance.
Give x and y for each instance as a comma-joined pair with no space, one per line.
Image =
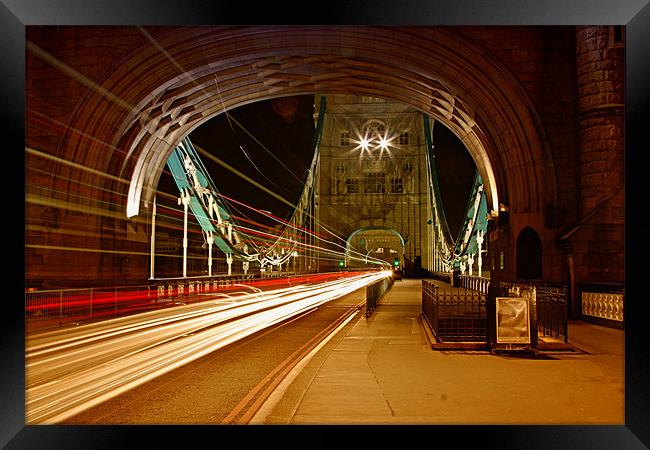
285,127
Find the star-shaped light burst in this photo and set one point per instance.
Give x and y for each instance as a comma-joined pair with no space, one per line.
366,143
384,144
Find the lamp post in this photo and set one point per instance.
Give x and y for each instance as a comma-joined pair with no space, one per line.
479,242
210,239
185,200
153,239
470,262
229,262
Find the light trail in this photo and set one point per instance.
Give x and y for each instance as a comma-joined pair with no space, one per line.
77,76
69,371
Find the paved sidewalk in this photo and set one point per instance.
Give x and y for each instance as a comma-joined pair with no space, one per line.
381,370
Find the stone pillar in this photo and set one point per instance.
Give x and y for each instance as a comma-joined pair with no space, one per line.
599,246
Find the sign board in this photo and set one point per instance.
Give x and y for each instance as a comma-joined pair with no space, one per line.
513,320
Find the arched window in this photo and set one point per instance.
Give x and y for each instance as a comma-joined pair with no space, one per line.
529,255
345,139
373,127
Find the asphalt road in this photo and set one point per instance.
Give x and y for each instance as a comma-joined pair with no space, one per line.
229,384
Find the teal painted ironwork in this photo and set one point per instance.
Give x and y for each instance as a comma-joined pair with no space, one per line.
475,221
197,184
434,192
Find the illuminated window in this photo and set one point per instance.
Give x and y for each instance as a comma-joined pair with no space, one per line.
345,139
396,185
352,186
403,139
374,183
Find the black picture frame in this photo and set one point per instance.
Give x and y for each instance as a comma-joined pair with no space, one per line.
634,14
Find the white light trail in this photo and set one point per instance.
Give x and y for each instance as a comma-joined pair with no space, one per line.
69,371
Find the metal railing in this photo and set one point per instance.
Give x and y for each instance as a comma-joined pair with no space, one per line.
375,291
475,283
551,308
71,305
455,315
278,274
58,306
75,304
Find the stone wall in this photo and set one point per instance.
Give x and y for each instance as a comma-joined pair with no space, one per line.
599,244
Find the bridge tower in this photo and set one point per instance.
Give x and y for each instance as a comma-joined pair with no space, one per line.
373,182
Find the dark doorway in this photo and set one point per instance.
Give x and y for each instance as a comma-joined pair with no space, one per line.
529,255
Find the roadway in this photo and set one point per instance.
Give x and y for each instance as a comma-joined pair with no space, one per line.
204,363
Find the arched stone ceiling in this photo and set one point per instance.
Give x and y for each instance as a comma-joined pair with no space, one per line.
189,75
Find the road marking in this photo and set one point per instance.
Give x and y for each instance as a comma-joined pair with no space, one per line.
278,393
242,413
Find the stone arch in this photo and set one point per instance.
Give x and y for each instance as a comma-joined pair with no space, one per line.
377,230
206,71
529,255
366,224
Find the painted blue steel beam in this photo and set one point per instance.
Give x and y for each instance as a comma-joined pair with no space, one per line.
475,221
183,181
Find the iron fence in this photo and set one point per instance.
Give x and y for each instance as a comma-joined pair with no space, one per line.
75,304
455,315
475,283
375,291
52,307
551,307
70,305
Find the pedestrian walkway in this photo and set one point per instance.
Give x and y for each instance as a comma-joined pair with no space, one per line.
382,370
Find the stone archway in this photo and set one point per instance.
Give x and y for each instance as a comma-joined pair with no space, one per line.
370,245
167,81
204,72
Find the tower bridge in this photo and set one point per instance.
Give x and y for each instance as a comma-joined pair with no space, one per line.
160,280
525,154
